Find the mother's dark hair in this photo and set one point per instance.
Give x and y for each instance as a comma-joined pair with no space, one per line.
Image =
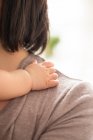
24,23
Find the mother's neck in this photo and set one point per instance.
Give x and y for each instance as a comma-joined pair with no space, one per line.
10,61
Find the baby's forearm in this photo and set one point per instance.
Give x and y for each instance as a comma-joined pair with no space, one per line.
14,84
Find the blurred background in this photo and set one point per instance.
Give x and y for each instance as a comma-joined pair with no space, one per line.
71,37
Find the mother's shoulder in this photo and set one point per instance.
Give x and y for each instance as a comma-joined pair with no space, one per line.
66,84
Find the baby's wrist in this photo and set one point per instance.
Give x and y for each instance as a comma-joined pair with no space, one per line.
29,77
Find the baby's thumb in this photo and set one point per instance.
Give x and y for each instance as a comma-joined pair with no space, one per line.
34,61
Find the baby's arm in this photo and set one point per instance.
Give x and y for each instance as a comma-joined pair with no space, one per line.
36,76
13,84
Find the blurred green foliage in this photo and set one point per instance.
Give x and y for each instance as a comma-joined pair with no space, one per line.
52,43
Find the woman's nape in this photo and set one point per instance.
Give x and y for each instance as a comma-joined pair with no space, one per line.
9,61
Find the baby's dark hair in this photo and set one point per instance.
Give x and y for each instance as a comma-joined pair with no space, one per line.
24,23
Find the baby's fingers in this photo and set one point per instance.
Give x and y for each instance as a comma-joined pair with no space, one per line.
53,83
51,70
53,76
47,64
53,80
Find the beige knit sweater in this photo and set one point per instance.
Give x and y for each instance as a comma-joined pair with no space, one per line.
61,113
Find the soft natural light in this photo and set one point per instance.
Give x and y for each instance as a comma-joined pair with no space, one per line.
72,21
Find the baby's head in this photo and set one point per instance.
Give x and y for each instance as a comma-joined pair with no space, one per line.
23,23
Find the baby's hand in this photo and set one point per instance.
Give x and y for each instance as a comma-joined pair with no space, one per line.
43,75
